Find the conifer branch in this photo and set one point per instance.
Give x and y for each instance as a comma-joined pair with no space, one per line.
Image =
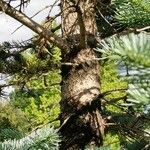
22,18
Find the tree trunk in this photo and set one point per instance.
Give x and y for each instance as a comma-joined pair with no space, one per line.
81,121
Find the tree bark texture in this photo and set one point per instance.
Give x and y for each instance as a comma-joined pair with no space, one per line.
81,121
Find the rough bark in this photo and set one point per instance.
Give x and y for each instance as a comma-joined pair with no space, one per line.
81,122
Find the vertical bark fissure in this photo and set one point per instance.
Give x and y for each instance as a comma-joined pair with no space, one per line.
80,82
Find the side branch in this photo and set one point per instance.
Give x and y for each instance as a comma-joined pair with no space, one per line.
22,18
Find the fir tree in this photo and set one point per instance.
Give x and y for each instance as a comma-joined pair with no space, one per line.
92,31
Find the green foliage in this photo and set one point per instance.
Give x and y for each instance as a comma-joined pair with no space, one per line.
12,120
134,51
112,140
39,99
100,148
122,15
112,82
130,48
10,133
43,139
39,94
139,95
133,13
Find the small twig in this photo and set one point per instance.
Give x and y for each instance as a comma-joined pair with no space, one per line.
114,100
69,64
143,29
52,6
56,28
6,85
146,147
114,90
111,143
102,16
42,125
131,30
31,17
